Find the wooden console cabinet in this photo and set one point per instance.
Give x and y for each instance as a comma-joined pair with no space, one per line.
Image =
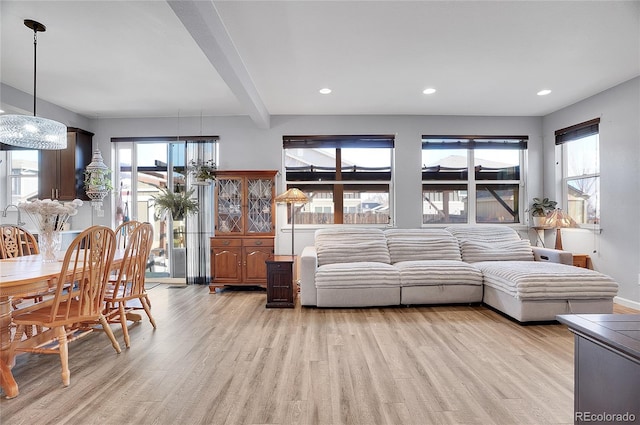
245,228
61,174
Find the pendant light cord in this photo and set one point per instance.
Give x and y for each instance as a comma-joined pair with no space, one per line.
35,67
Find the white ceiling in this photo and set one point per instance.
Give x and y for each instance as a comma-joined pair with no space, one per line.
262,58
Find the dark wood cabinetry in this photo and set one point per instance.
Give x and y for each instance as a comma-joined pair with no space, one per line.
245,228
239,261
61,174
281,287
606,367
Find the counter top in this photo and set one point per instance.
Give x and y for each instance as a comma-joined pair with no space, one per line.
619,331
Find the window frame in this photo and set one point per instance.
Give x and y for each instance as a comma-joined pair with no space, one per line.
471,144
339,179
16,179
562,139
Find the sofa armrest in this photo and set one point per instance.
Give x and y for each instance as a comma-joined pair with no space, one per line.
552,255
308,266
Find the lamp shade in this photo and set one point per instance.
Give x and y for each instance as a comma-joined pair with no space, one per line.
292,196
560,219
32,132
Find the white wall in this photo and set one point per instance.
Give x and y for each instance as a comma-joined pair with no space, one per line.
618,246
244,146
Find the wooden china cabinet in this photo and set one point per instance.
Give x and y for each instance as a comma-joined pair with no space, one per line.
245,228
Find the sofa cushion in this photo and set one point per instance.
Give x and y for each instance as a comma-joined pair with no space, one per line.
438,272
535,280
421,244
347,234
354,252
490,233
350,245
473,251
357,275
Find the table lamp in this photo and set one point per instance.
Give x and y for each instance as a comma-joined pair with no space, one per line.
560,220
292,196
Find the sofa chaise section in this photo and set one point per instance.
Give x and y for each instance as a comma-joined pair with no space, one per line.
529,290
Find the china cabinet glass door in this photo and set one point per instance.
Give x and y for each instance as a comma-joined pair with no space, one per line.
259,193
229,214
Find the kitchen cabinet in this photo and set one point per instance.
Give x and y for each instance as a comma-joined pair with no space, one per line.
61,173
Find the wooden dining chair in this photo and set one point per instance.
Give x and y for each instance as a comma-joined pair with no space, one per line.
16,241
123,232
126,292
78,300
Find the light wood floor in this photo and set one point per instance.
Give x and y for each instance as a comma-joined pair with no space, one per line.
226,359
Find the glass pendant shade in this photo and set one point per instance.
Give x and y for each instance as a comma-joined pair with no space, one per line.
32,132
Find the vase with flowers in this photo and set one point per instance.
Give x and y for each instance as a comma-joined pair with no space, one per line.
50,216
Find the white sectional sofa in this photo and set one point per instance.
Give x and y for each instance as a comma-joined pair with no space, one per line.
362,267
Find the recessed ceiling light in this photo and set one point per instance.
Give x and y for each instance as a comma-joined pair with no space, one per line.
1,111
325,90
429,91
544,92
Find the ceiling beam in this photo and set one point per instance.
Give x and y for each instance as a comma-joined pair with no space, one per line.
202,20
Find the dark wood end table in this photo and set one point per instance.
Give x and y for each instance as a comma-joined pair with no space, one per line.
281,287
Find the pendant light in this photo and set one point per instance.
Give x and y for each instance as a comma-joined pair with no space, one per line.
32,132
97,181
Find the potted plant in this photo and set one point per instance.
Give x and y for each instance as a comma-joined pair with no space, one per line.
203,171
540,208
178,204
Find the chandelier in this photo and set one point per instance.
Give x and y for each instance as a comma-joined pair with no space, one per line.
33,132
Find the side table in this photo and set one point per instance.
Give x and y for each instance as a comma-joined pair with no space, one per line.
582,260
281,288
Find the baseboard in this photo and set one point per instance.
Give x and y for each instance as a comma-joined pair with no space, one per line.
627,303
171,280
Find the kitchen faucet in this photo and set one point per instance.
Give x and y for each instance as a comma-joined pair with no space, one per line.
4,214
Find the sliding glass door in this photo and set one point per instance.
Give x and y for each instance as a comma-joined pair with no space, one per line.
146,166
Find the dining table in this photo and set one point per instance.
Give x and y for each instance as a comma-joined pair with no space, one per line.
22,276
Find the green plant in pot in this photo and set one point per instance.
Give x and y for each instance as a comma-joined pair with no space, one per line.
203,171
540,208
178,204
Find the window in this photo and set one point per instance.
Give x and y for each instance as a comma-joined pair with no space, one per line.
475,177
22,171
347,178
581,171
